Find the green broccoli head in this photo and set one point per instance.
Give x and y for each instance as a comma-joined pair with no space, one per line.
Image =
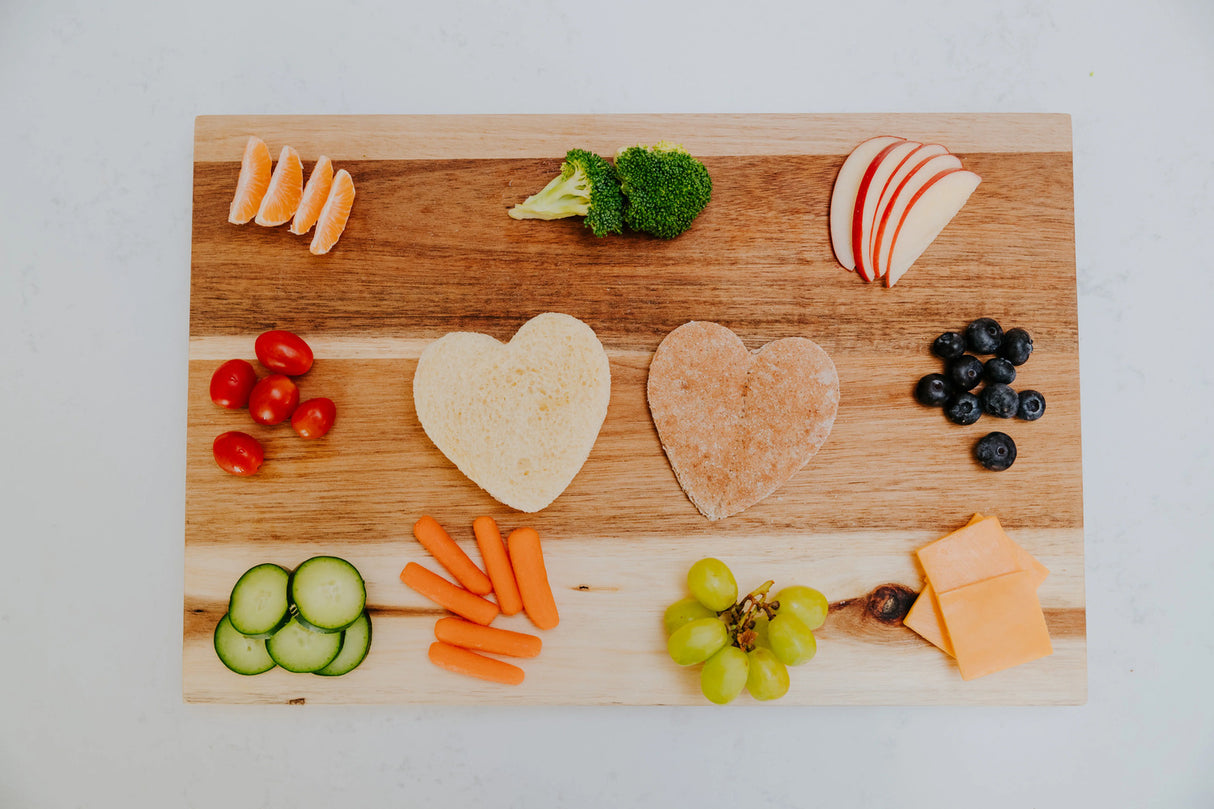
587,186
665,188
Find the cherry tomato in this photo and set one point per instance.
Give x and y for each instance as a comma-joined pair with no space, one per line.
238,453
273,399
283,352
314,418
231,384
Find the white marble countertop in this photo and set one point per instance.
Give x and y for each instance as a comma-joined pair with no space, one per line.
98,108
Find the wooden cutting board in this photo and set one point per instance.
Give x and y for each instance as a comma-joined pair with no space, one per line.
429,250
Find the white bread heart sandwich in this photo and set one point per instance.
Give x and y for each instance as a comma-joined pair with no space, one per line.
518,419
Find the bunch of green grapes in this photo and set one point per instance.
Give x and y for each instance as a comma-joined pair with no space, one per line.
745,644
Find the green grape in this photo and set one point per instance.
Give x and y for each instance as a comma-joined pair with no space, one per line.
791,641
767,678
762,631
724,675
712,583
806,603
684,612
697,641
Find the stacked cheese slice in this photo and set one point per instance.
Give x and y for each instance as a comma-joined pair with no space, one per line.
979,604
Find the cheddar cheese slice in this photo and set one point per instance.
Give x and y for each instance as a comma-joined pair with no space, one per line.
978,551
924,618
995,624
924,615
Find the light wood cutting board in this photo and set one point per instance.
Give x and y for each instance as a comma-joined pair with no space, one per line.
429,250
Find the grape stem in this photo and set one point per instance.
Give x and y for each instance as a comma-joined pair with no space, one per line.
742,616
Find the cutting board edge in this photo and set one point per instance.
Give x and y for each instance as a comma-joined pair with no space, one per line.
507,135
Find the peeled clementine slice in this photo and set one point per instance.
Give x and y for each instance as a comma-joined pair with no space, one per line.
334,214
253,181
286,187
314,195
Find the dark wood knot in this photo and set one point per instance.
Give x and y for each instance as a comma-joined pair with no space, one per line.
889,603
875,616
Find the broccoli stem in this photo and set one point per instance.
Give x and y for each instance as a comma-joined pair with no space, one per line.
564,196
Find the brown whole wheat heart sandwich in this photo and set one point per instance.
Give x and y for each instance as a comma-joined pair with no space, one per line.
519,418
737,424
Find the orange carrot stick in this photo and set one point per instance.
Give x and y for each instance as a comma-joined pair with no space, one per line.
446,594
458,632
462,661
528,562
451,556
497,563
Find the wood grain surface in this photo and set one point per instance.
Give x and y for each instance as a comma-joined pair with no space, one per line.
429,250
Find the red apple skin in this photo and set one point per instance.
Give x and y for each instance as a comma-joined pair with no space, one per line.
946,161
843,198
857,217
910,205
914,160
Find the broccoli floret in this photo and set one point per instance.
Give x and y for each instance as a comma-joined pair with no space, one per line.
587,186
665,188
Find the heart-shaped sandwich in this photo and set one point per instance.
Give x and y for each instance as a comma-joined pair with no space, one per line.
518,418
737,424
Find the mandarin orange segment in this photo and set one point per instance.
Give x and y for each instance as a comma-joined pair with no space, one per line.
286,187
253,181
314,195
334,214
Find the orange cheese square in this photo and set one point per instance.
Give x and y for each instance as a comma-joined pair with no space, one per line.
924,616
995,624
978,551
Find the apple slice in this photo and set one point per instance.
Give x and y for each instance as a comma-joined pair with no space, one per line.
908,164
843,197
871,186
899,200
932,207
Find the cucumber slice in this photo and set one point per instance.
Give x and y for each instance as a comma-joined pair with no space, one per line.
355,644
328,593
240,653
258,606
297,648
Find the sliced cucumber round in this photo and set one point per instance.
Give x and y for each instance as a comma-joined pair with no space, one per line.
356,642
328,593
258,606
240,653
301,649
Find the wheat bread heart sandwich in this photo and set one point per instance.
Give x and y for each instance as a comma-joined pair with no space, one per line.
737,424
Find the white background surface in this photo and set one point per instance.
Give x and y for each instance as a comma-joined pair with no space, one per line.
97,102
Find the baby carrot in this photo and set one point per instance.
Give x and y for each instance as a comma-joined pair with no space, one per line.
458,632
451,556
446,594
462,661
528,562
497,563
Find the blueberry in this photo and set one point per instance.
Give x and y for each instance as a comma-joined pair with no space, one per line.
1016,346
949,345
965,371
1031,406
997,369
964,408
933,390
983,336
999,400
995,451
